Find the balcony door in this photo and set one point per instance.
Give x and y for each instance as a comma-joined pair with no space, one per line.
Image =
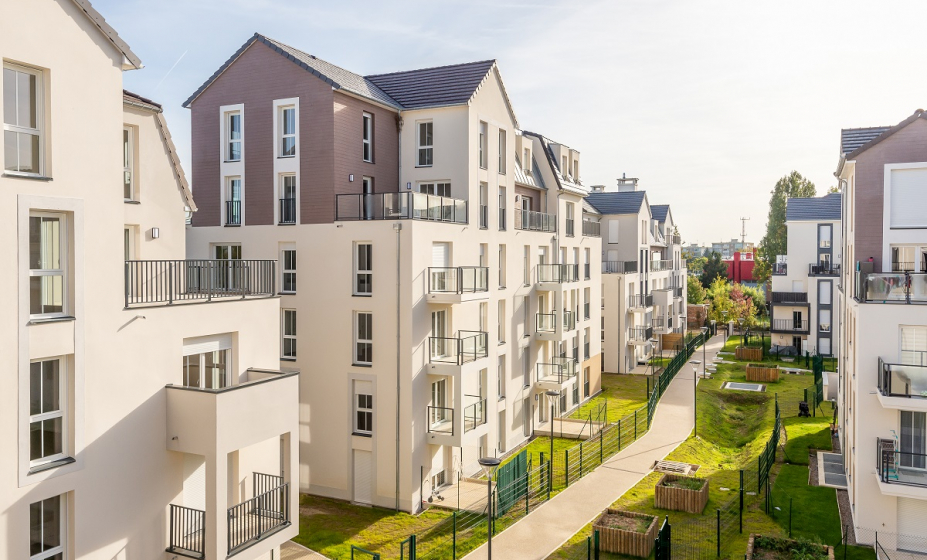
439,345
913,441
367,189
228,272
796,320
206,370
439,413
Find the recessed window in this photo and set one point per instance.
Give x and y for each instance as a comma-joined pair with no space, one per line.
363,413
438,189
207,370
233,136
526,164
482,140
128,158
289,334
363,338
287,199
425,144
501,151
233,201
368,137
47,529
289,271
287,127
47,398
23,120
47,264
363,269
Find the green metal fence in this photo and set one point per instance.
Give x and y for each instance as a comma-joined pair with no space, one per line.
768,456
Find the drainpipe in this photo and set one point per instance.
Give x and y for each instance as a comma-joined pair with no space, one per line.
398,228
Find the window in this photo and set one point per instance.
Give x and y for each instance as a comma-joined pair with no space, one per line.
23,120
913,441
824,320
233,136
588,265
526,164
233,201
128,241
501,208
425,144
563,166
502,266
287,128
526,416
287,199
526,317
289,334
576,170
207,370
47,263
363,414
502,151
438,189
128,157
289,271
482,140
527,265
500,377
500,321
363,269
47,529
484,206
914,346
363,338
824,235
368,137
47,398
569,220
585,382
587,295
526,367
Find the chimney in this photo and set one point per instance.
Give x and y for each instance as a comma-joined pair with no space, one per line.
598,188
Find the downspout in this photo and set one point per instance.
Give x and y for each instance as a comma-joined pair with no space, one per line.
398,228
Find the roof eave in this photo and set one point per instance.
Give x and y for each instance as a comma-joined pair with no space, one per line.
130,60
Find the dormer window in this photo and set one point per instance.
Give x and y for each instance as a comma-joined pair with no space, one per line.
563,167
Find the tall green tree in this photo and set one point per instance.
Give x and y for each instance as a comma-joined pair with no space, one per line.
713,268
762,269
695,292
793,185
695,265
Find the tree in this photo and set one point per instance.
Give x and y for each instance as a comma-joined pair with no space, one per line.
762,269
695,292
793,185
833,189
731,301
695,265
713,268
757,296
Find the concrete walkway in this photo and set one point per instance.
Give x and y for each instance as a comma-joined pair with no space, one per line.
547,528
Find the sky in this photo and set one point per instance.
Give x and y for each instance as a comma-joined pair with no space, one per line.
707,102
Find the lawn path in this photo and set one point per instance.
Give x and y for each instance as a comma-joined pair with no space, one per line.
552,524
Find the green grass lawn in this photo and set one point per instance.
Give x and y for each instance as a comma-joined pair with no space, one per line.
805,434
621,393
814,508
541,444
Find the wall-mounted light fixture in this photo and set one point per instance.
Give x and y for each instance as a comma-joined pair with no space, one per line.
351,178
155,233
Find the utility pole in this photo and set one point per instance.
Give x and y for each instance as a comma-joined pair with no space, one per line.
743,231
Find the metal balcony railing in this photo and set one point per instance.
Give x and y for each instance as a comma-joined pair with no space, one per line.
592,228
661,322
780,269
233,212
903,266
287,210
474,415
546,322
458,280
467,347
195,281
826,269
255,519
640,334
557,370
892,287
187,532
535,221
400,206
440,420
640,300
618,267
559,273
673,239
790,297
569,320
569,227
900,467
661,266
789,325
899,380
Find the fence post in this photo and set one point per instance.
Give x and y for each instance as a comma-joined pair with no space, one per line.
589,548
635,423
719,532
790,518
454,538
595,538
566,466
741,501
619,434
601,446
412,553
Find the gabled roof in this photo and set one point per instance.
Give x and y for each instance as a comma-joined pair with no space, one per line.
919,114
659,211
814,209
617,202
562,184
337,77
853,138
110,33
434,87
137,100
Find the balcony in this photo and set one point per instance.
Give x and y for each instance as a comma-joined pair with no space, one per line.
458,284
892,287
440,420
287,211
556,373
661,266
400,206
448,354
619,267
261,516
900,467
824,269
677,292
555,274
187,532
663,324
474,416
233,212
789,326
535,221
639,336
780,269
546,322
640,302
673,239
592,228
569,227
904,381
197,281
790,298
569,321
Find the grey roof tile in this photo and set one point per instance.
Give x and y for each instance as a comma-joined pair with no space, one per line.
822,208
659,211
853,138
617,202
433,87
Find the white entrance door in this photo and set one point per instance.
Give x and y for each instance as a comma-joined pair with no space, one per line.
363,477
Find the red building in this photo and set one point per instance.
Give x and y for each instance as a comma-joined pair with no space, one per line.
740,267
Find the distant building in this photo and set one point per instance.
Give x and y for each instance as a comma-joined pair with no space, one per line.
740,267
727,248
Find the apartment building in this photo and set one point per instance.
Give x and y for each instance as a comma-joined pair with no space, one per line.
643,279
803,281
433,278
115,450
883,338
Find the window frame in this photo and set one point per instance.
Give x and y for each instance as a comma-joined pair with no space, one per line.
422,148
502,148
363,408
228,380
63,240
482,139
40,123
61,548
358,340
367,137
61,412
358,271
283,135
128,163
286,336
229,190
436,188
286,270
229,141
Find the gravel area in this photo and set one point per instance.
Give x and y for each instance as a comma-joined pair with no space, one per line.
813,468
846,515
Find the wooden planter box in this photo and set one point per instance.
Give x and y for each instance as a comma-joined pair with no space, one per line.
680,499
750,547
762,374
619,541
745,353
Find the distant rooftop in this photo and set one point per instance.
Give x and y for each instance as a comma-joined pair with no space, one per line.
628,202
433,87
659,211
810,209
852,139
